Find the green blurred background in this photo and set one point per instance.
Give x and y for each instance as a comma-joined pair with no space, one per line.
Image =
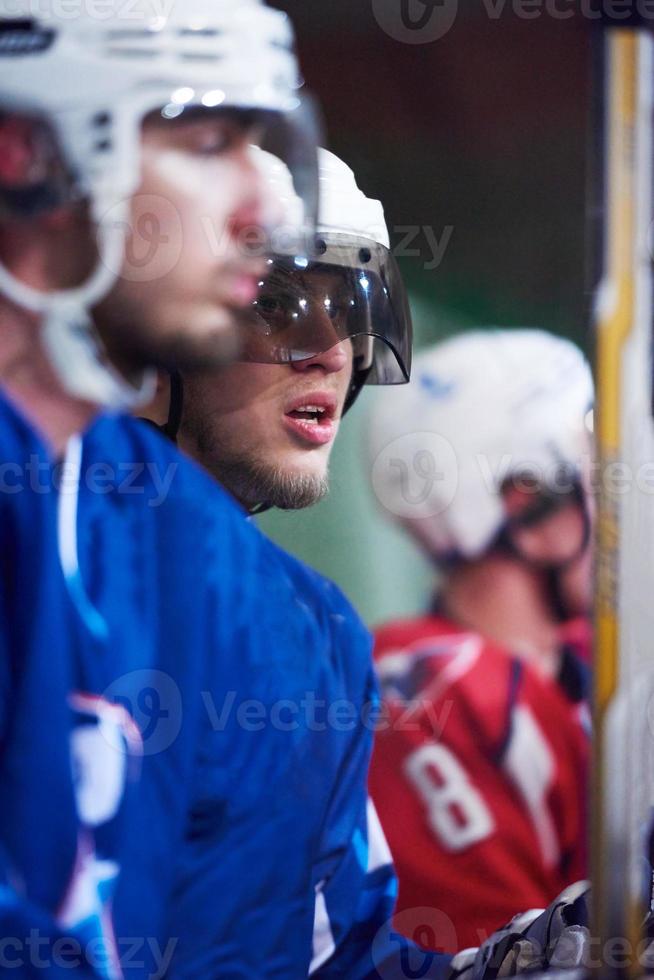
483,132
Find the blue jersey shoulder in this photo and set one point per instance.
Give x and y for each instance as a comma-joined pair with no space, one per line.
350,640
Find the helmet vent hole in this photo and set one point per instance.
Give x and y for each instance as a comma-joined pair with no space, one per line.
130,34
102,119
365,255
23,36
321,246
201,56
114,51
199,32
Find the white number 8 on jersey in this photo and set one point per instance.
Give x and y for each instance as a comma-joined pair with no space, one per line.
457,812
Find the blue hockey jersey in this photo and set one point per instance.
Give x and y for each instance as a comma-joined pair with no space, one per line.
220,720
261,793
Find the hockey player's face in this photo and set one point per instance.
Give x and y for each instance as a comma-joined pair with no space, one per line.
187,273
266,430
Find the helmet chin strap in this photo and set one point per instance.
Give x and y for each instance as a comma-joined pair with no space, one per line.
69,336
175,407
359,378
77,357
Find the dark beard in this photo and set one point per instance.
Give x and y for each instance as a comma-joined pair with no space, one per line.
132,350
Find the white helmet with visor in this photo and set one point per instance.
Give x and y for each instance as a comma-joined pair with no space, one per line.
349,286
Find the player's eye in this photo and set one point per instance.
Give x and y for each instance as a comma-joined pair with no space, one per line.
219,138
336,308
278,310
267,305
213,133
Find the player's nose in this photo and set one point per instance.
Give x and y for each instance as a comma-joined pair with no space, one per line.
259,206
331,361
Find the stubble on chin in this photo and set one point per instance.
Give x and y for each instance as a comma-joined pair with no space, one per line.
256,483
253,481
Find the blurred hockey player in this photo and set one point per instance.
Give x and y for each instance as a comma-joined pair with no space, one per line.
132,129
480,762
128,185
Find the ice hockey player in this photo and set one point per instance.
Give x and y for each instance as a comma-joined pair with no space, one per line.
319,331
265,429
179,857
479,767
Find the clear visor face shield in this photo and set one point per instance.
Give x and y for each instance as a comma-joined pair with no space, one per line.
348,290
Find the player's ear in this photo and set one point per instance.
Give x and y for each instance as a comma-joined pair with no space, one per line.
33,178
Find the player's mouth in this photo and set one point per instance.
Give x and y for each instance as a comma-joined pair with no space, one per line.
312,418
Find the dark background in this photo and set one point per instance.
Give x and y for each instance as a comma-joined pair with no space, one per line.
485,130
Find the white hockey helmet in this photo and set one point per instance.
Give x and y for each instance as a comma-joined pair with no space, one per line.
481,408
92,71
351,274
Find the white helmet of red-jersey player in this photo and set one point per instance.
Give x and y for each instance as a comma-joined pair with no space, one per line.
488,404
92,71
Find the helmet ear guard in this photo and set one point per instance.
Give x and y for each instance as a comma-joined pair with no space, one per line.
33,176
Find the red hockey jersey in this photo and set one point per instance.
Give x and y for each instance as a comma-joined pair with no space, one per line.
478,776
